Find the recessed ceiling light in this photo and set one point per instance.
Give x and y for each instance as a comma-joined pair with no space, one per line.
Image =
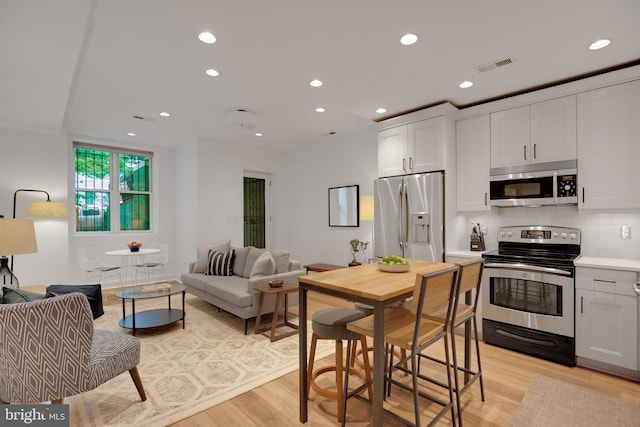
408,39
258,134
599,44
131,134
315,83
465,84
320,110
165,114
381,110
207,37
213,73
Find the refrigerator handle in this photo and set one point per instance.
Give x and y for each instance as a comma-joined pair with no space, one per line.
406,221
400,228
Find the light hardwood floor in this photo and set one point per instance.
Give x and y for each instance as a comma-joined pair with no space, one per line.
507,376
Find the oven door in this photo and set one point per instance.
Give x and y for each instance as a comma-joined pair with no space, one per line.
533,297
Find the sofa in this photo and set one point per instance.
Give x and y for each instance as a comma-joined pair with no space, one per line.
226,277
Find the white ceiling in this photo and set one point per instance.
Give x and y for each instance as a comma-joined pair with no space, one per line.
90,66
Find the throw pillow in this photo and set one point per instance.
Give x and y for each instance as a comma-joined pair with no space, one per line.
241,260
282,260
254,253
220,263
265,265
92,292
202,252
16,295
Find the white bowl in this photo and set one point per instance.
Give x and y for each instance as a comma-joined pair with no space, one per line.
394,268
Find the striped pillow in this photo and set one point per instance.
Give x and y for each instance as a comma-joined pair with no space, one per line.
220,263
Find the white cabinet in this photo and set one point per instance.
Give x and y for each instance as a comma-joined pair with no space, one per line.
536,133
553,130
473,140
510,137
609,148
392,151
412,148
607,317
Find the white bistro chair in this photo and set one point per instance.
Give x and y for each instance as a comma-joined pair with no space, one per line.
91,262
153,265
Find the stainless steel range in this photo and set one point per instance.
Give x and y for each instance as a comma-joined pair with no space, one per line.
528,291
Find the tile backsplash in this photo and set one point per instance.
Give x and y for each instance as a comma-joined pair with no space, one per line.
600,231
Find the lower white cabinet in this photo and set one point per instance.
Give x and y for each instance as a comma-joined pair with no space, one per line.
607,317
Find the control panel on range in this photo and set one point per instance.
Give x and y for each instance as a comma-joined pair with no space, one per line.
539,234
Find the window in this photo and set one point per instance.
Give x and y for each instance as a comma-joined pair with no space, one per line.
97,191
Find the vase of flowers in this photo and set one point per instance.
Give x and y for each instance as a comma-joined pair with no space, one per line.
357,251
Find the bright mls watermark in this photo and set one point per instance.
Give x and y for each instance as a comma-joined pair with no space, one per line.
34,415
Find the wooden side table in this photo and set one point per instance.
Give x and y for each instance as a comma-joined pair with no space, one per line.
320,267
283,291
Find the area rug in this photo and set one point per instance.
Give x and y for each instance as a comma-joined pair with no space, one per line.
550,402
186,371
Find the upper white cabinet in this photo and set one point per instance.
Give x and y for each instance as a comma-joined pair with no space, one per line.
473,139
609,147
536,133
553,130
607,317
412,148
510,138
392,151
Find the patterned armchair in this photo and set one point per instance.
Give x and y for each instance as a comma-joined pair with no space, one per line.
49,350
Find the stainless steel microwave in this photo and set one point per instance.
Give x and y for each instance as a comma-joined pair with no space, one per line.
540,184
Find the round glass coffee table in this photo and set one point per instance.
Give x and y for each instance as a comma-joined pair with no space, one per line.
151,318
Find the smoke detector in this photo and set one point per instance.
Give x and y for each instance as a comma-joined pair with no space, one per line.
242,119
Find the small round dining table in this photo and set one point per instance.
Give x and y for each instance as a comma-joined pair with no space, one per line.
129,261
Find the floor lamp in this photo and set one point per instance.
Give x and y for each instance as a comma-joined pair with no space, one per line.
17,236
47,209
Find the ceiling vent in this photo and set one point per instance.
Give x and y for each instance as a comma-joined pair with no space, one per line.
496,64
242,119
144,118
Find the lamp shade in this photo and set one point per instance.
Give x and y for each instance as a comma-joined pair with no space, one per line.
17,236
366,208
48,210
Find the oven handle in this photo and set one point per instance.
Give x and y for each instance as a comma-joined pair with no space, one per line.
545,343
526,267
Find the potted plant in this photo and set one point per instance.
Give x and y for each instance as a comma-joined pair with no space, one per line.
357,249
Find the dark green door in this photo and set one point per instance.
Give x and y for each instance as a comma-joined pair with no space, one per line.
254,212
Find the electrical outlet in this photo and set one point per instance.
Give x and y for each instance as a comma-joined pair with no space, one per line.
484,229
625,232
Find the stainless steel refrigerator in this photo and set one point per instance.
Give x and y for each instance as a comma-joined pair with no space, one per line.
409,216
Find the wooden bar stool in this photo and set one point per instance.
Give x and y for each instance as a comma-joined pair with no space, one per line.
331,323
367,310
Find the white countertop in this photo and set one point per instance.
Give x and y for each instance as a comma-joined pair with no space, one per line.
465,254
609,263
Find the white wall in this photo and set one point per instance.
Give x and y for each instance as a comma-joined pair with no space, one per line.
307,174
186,205
36,161
220,171
600,231
45,162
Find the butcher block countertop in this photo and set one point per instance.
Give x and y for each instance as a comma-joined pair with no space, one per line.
608,263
